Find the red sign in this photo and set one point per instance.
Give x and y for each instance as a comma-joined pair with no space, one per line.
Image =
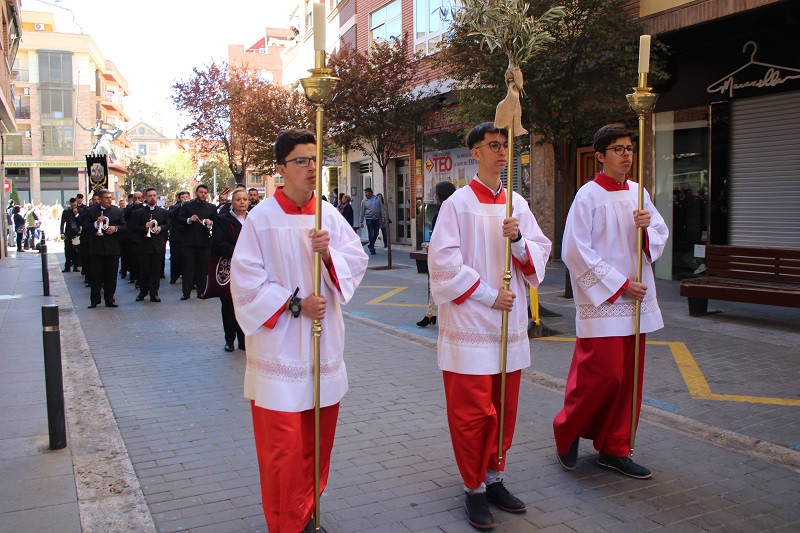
442,163
6,185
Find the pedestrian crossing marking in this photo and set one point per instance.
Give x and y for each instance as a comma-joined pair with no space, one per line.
380,300
699,388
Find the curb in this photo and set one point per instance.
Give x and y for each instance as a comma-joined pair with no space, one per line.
729,440
110,497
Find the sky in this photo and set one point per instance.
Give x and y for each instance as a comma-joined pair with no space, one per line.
155,43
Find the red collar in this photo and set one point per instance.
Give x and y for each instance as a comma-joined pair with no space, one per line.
289,207
485,194
610,184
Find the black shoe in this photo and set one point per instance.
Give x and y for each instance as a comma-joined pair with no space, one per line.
228,347
498,494
141,296
372,252
155,298
424,322
478,513
163,276
65,270
186,296
74,269
131,280
624,465
199,296
92,306
112,303
173,281
241,346
123,274
568,461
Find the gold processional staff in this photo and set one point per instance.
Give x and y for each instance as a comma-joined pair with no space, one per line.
318,89
642,101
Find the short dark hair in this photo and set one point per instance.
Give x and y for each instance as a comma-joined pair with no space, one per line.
182,192
130,196
288,139
444,189
610,133
95,193
103,192
367,189
241,185
477,133
201,186
79,196
252,189
147,190
70,200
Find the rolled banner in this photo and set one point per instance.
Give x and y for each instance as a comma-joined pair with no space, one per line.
509,108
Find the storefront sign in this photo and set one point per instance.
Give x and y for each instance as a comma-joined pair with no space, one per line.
754,75
454,165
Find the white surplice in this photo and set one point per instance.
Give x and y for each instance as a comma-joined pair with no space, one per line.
273,256
602,259
466,247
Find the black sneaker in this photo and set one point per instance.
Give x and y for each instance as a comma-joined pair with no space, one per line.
568,461
498,494
624,465
310,527
478,514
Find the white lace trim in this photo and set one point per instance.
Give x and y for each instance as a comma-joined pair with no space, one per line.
615,310
592,277
298,372
444,274
244,298
480,337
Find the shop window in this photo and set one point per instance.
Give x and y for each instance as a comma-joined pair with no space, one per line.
385,23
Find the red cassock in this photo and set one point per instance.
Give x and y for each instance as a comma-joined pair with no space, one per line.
597,402
285,448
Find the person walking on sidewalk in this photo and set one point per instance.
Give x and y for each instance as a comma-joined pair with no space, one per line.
19,227
272,283
108,223
151,224
466,264
599,249
443,191
69,230
371,212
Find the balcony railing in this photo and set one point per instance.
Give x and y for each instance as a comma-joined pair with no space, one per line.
22,112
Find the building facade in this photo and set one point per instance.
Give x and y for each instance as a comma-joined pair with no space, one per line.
63,86
727,127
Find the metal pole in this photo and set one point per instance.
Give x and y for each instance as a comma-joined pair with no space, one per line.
642,102
506,286
45,272
53,381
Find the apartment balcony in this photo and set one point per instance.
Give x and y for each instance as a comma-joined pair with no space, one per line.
22,112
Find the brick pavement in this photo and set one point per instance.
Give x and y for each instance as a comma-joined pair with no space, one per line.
177,400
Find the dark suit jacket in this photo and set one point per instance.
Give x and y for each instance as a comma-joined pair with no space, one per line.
156,243
224,234
175,229
130,209
196,234
105,244
70,227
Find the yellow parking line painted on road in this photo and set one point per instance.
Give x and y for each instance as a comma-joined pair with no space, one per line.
694,378
395,290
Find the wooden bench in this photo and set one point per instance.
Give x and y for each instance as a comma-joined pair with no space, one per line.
768,276
421,257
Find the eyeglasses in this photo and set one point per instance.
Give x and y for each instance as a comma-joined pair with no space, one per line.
494,146
302,162
619,149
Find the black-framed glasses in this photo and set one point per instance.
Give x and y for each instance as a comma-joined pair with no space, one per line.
619,149
302,161
494,146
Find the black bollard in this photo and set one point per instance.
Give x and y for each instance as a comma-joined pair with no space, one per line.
53,382
45,273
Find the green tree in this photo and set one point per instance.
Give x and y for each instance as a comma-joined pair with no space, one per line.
177,167
142,175
374,108
224,175
573,85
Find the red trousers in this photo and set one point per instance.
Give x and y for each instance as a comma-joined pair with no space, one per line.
597,401
285,449
473,413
